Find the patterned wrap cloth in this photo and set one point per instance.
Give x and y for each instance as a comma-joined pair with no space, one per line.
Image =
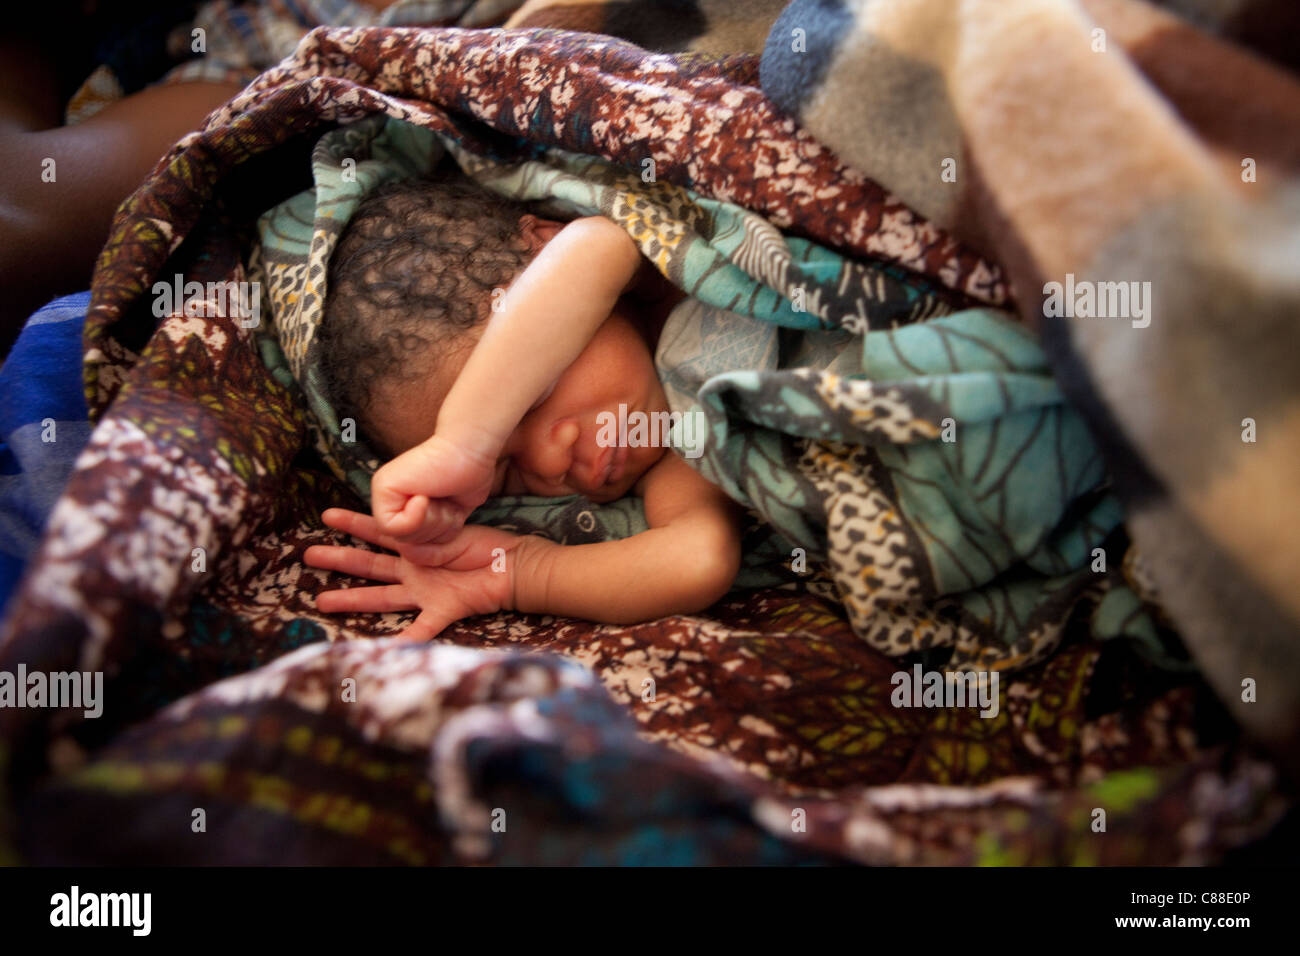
760,731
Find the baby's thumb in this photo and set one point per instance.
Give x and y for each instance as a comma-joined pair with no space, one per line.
410,517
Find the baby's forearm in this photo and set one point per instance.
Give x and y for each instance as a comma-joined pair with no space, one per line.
669,570
546,319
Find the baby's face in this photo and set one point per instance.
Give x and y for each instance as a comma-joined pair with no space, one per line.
553,452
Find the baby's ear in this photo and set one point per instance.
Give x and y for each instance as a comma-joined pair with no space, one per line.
538,232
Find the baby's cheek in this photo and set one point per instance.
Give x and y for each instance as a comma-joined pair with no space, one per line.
640,460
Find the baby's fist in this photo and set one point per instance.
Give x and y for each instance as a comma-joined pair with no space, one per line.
425,494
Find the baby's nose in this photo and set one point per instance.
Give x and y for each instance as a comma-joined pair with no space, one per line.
550,452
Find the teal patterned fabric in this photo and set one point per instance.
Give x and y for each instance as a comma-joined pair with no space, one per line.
984,541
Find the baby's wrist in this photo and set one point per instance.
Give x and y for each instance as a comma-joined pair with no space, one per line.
475,441
532,564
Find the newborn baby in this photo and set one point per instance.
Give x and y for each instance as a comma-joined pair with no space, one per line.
481,348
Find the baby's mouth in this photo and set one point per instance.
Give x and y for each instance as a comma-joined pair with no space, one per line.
615,466
591,477
608,466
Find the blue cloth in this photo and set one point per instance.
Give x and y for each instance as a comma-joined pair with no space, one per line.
43,427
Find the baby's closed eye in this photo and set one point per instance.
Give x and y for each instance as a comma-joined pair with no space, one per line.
543,397
508,480
499,477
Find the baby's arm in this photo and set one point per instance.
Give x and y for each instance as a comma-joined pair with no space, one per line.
686,561
550,313
547,317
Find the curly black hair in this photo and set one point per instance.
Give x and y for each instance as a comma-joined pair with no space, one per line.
412,274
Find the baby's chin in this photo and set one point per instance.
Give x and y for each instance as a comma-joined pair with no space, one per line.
613,492
608,492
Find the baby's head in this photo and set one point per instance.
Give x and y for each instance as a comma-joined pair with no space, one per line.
410,291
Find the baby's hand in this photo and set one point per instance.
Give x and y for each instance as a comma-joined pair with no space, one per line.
425,494
471,574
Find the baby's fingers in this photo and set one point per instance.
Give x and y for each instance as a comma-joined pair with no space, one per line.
358,525
374,600
355,561
442,523
427,626
404,521
436,522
